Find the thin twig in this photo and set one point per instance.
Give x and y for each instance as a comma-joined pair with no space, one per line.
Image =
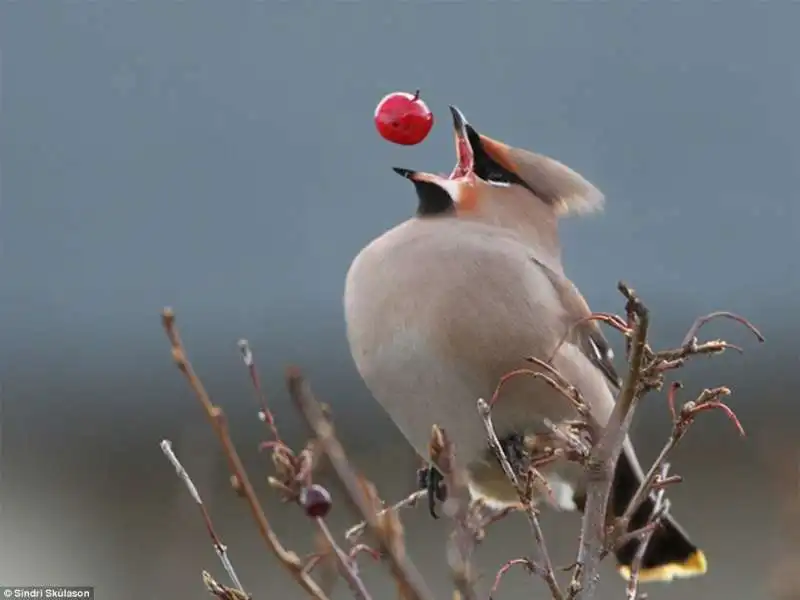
525,562
246,489
289,559
700,321
555,380
548,573
265,414
608,318
655,517
462,540
650,477
403,570
708,399
687,414
493,516
409,501
222,592
347,566
364,549
220,548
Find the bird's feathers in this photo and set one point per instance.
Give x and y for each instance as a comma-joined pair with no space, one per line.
438,310
479,304
586,332
557,185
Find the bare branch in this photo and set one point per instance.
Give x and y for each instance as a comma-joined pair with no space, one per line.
708,398
655,518
527,563
402,568
265,414
220,548
461,542
607,318
347,565
222,592
544,557
604,456
409,501
554,379
701,321
599,452
288,559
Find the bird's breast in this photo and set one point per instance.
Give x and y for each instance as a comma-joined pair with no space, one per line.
434,321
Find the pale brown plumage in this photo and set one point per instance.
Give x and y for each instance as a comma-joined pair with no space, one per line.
440,307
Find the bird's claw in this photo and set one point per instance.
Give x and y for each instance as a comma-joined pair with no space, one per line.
429,478
515,451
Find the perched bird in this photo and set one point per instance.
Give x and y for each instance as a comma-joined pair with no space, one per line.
443,305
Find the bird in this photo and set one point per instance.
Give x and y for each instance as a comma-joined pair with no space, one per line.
441,306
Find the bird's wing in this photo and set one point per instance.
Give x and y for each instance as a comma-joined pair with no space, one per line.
586,334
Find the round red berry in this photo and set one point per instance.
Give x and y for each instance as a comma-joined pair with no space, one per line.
316,501
403,118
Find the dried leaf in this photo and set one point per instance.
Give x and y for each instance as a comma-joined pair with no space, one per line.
220,591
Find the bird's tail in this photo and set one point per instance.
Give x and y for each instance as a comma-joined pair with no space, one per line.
670,554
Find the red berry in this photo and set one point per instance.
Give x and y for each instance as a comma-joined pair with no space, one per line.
403,118
316,500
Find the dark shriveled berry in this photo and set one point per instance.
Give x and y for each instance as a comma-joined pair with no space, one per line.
316,501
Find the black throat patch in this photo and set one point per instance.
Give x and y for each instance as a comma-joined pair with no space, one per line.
433,200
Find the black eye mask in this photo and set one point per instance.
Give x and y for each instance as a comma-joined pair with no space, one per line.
433,200
489,169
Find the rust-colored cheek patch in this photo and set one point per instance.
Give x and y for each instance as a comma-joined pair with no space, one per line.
499,152
468,199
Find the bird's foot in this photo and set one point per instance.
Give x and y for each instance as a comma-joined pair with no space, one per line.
429,478
516,452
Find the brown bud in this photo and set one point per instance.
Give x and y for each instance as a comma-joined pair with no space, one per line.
237,486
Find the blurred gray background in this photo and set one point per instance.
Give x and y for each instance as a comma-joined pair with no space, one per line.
220,157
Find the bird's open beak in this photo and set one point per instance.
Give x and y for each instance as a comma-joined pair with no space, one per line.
475,150
464,151
466,139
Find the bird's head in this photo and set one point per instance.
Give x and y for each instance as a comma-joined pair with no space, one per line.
497,183
518,175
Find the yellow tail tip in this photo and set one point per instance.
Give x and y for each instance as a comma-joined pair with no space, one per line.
694,566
